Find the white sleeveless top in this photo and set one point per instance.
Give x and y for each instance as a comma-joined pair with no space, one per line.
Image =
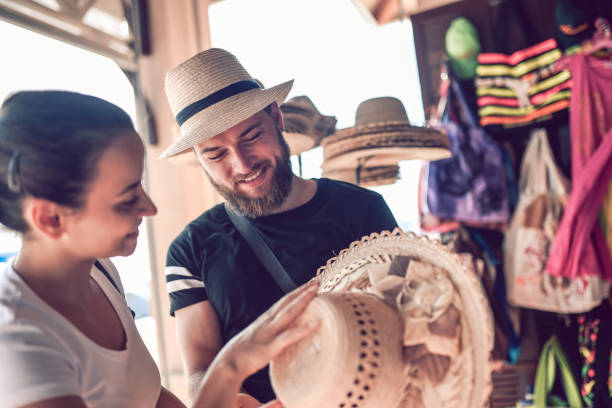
42,355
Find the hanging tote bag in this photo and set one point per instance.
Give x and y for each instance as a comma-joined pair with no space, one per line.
471,185
543,192
523,88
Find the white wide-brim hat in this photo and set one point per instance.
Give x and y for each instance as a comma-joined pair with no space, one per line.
442,321
212,92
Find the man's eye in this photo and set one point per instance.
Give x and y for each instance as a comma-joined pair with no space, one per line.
215,156
252,138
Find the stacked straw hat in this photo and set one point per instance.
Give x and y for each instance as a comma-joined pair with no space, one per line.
382,136
404,323
367,176
210,93
305,126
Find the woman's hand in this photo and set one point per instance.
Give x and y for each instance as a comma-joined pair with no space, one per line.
273,404
255,346
246,401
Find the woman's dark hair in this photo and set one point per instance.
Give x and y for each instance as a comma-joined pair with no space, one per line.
50,143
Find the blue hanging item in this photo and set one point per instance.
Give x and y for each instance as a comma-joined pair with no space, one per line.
471,185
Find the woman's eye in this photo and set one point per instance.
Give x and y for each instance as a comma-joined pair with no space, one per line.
129,203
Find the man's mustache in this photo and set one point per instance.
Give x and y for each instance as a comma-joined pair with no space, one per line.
258,166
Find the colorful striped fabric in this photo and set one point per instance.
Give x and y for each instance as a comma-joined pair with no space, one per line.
521,88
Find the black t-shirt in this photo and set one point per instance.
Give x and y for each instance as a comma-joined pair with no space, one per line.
210,260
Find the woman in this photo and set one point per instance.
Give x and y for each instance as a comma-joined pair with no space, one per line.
70,185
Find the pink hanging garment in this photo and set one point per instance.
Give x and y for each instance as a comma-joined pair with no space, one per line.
580,247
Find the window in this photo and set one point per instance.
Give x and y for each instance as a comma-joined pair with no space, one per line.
39,62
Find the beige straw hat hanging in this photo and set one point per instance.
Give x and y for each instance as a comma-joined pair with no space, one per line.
305,126
440,318
382,136
211,92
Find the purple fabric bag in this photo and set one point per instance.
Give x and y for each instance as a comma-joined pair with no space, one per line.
470,186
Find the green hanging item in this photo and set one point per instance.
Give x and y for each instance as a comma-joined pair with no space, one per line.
551,357
462,48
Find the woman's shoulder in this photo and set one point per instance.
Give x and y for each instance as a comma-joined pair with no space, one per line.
31,351
107,267
25,324
23,315
12,293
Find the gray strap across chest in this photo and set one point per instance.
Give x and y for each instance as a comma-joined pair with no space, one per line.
253,237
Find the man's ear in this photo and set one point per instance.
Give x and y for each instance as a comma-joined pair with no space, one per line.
276,114
45,216
199,157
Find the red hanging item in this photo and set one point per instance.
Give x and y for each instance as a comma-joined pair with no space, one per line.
580,247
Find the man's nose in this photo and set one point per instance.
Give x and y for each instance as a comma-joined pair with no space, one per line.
242,161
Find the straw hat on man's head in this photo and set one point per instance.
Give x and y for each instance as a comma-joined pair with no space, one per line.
210,93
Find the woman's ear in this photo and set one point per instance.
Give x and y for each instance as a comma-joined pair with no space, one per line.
45,216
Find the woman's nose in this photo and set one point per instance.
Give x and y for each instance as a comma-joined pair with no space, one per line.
148,208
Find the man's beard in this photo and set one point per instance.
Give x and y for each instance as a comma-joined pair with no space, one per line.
279,189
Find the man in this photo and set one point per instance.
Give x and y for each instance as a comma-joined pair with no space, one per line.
216,283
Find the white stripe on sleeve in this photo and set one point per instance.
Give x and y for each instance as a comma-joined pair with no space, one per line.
182,284
178,270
